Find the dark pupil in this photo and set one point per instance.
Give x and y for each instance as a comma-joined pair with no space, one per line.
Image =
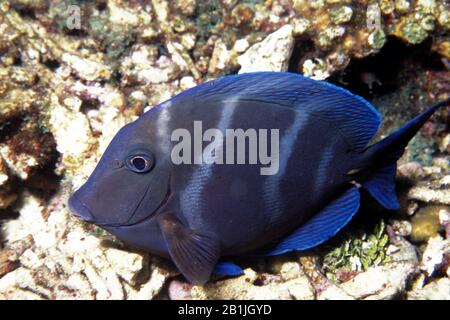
139,163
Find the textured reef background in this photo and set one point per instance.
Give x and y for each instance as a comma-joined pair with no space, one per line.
73,72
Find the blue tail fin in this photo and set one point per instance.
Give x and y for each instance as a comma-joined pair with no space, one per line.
382,158
382,187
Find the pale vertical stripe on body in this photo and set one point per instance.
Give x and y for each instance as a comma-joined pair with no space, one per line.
191,197
273,198
162,124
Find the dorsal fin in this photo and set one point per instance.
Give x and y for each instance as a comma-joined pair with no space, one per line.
355,118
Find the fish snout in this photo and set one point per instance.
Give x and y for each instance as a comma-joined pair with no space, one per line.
79,210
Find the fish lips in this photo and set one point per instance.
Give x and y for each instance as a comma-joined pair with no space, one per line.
148,203
82,212
79,210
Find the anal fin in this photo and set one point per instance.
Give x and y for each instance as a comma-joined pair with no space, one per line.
322,226
228,269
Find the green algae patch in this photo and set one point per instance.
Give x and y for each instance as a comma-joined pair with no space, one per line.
358,252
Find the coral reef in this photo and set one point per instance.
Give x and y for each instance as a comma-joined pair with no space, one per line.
72,73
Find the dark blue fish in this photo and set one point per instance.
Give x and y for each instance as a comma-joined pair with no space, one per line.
198,213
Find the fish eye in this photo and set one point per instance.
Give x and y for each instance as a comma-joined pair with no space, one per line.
139,163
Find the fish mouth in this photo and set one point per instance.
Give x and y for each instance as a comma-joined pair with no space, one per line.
82,212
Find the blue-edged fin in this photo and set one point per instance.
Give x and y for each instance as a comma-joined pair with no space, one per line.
195,254
380,159
322,226
355,118
382,187
228,269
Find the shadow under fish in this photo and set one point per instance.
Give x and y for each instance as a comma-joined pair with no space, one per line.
194,211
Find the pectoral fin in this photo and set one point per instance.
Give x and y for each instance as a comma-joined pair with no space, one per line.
194,253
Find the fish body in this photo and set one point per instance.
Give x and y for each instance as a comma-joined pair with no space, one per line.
231,200
213,204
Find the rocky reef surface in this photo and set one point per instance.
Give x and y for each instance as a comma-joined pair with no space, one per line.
73,72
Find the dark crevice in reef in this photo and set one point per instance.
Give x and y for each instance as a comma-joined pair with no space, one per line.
27,135
388,70
9,127
25,12
17,59
44,183
303,50
52,64
80,33
88,105
101,5
7,214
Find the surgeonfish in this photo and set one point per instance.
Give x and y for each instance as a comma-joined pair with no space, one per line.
174,183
